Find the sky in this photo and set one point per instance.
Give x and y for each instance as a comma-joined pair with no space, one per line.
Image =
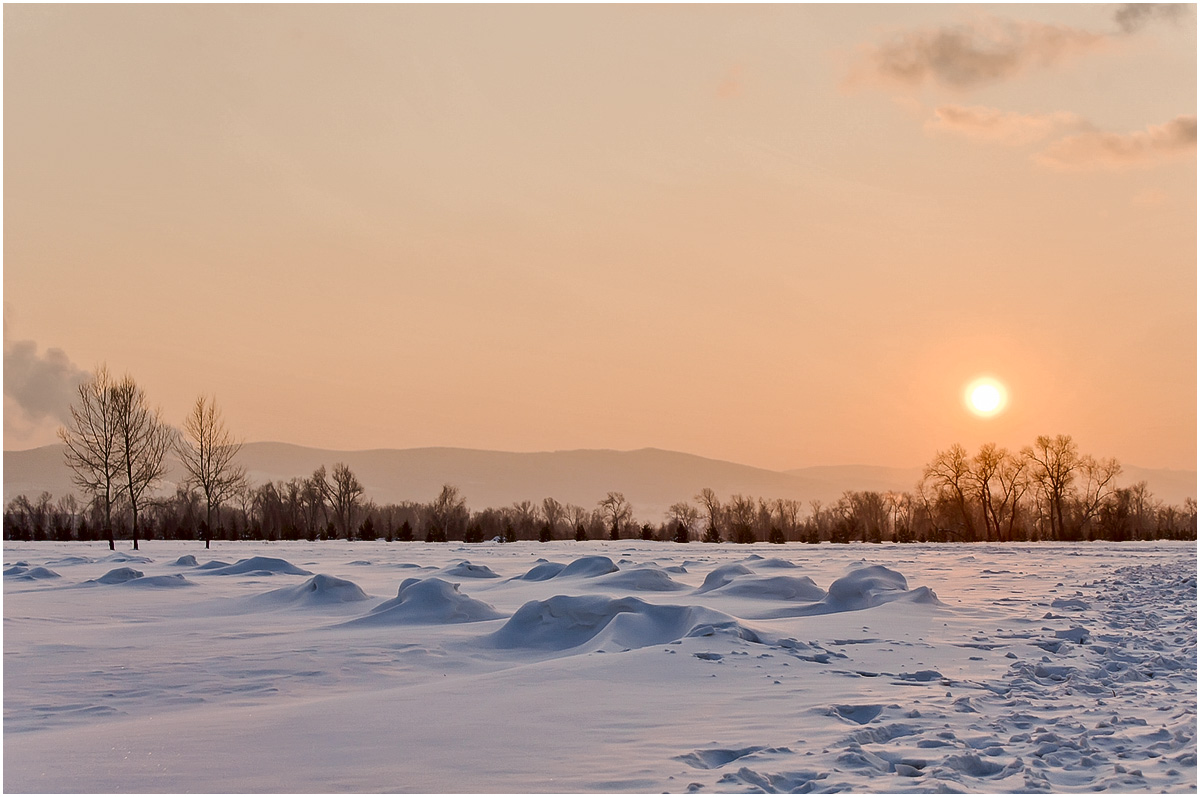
782,235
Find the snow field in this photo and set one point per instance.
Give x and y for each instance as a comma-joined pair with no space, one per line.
600,666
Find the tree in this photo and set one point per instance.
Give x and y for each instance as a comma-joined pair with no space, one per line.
206,450
684,516
985,467
950,476
343,496
91,450
1054,461
741,514
554,513
142,444
447,514
617,513
405,534
1013,477
712,506
312,496
1098,487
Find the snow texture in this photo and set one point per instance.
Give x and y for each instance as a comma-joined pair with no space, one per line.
634,667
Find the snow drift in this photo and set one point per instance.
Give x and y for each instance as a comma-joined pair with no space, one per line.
26,573
256,565
320,590
541,571
565,622
468,570
428,601
786,588
588,567
117,576
643,579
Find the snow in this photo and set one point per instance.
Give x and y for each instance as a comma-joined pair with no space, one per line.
600,666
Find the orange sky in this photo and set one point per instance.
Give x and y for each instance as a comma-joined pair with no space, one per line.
783,235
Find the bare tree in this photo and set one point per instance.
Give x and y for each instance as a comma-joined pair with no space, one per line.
554,513
91,451
789,515
712,507
684,516
741,514
206,450
1098,487
617,512
1054,462
312,496
1013,478
985,468
950,476
524,518
447,514
344,496
142,444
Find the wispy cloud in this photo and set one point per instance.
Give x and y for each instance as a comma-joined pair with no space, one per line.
1002,127
1132,17
970,55
1099,150
38,388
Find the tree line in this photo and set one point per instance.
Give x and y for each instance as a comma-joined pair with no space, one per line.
116,447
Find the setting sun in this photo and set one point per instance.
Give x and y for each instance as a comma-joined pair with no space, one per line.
986,397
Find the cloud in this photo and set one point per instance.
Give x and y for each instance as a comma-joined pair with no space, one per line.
38,389
966,56
1132,17
1099,150
1003,127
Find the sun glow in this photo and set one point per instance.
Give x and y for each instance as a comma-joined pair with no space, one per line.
986,397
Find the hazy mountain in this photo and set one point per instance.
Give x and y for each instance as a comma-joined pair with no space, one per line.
650,478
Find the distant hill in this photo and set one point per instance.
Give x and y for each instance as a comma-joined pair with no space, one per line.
650,478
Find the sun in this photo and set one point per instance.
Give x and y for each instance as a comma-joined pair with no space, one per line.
986,397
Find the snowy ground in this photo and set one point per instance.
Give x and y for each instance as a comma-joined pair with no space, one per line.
611,666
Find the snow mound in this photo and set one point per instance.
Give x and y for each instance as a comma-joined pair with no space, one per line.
70,560
214,564
720,576
426,602
866,585
588,567
565,622
645,579
126,558
775,562
863,588
541,571
787,588
187,560
320,590
468,570
258,565
118,576
160,582
30,573
872,586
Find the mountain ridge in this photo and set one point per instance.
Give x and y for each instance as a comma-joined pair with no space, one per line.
651,478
